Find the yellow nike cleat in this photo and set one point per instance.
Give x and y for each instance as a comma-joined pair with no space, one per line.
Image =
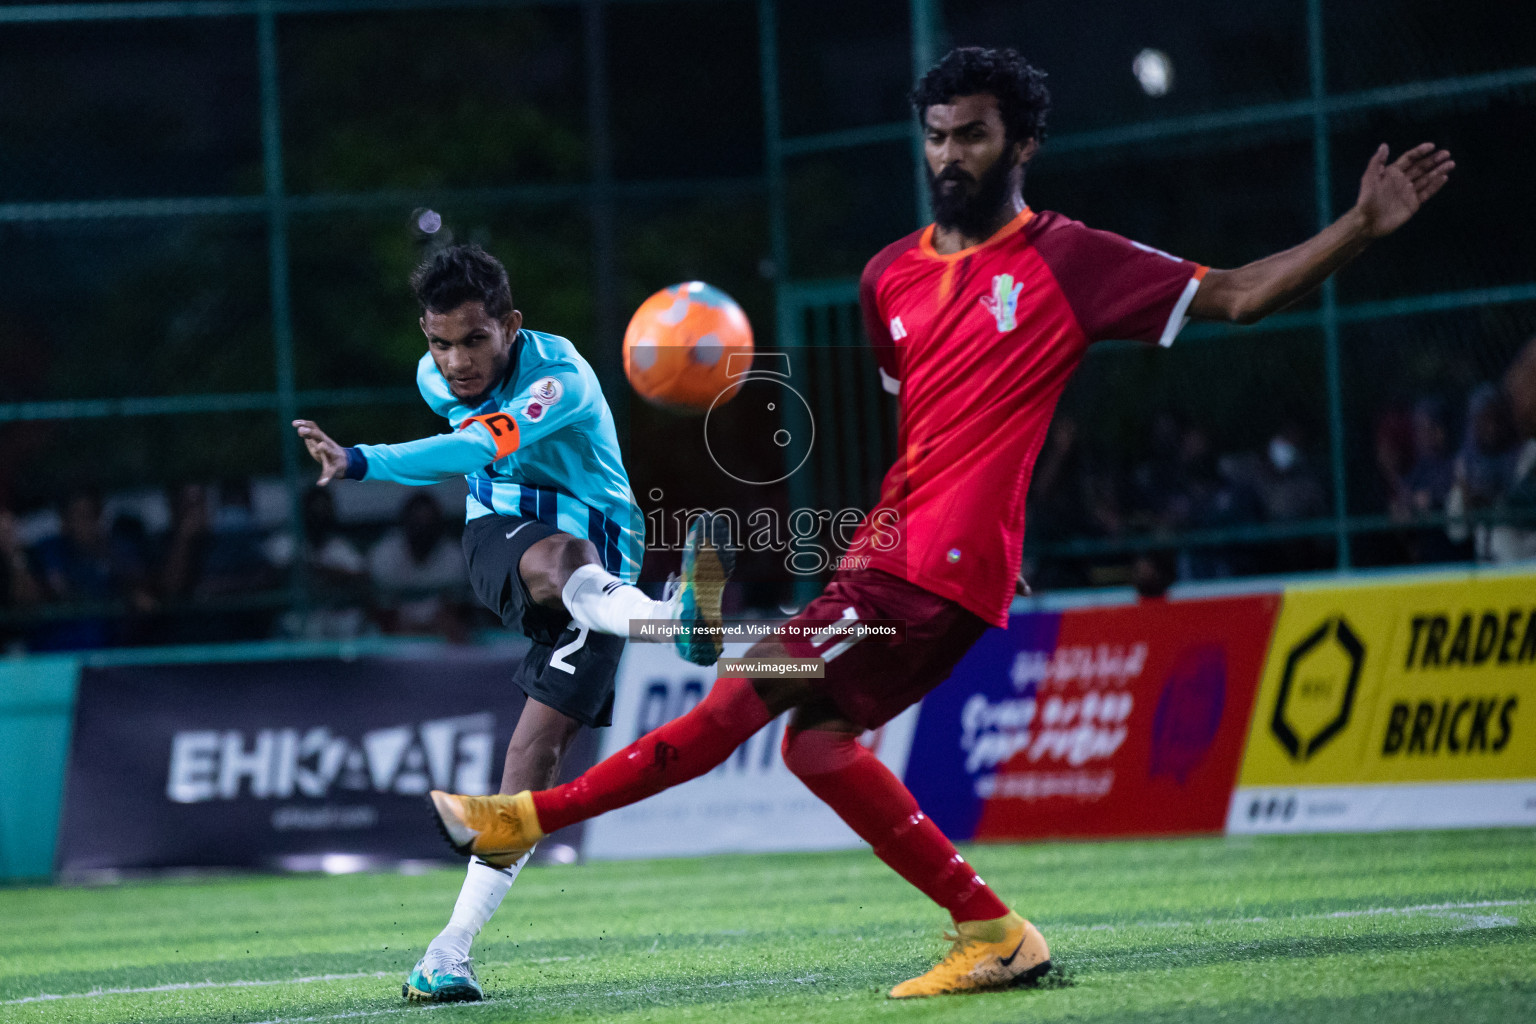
497,829
987,955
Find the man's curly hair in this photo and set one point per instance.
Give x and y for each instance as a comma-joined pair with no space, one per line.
972,70
458,274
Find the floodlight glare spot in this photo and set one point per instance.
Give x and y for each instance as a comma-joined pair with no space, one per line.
430,222
343,863
1154,71
560,853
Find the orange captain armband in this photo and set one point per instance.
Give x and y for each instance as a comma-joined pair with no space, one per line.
503,430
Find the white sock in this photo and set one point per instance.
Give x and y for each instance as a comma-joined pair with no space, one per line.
483,890
601,601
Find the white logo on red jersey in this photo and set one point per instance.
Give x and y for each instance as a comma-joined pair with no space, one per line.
1003,303
898,329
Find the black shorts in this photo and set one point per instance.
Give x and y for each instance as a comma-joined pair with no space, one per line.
569,667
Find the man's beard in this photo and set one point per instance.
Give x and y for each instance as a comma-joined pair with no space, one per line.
973,211
498,374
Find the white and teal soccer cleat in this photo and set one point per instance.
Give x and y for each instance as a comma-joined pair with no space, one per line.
440,977
707,564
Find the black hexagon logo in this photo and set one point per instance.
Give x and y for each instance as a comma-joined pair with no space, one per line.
1299,740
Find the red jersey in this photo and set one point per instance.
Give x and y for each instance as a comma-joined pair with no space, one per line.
979,346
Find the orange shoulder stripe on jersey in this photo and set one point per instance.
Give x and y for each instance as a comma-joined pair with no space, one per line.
503,430
1200,271
1013,227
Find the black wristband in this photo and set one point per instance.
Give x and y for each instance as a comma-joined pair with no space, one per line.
357,464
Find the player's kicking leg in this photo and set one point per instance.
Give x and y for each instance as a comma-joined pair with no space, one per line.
866,684
601,601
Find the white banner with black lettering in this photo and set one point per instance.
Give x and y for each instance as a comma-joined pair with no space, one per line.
751,803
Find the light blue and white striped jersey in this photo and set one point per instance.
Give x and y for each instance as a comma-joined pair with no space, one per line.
542,444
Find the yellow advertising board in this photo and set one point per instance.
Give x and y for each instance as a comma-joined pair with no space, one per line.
1408,704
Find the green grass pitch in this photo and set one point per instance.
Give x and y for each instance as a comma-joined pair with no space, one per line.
1391,928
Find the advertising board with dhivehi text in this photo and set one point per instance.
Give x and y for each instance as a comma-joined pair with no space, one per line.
1094,722
749,804
1402,705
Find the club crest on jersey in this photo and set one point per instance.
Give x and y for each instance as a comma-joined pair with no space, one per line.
1003,303
548,390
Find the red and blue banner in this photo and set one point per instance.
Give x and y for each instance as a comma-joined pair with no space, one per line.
1095,722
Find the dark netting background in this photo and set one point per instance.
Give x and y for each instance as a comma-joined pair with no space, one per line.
207,223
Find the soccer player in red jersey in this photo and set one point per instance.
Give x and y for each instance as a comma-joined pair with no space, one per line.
979,320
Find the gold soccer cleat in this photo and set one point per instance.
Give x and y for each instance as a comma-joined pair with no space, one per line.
497,829
987,955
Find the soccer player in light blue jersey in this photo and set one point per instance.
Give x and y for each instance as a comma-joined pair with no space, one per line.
553,540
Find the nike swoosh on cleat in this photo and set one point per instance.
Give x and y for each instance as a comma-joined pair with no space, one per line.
1007,961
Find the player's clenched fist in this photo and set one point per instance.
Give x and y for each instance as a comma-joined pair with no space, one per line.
331,456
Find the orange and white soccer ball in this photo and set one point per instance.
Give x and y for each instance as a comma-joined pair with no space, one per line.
686,345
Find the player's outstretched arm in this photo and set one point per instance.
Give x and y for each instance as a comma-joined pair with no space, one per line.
331,456
480,441
1389,195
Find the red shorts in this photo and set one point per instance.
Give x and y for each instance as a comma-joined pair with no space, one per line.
872,681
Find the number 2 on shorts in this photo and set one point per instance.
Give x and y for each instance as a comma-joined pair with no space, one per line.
557,660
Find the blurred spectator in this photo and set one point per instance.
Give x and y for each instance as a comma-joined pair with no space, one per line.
1055,499
418,574
337,571
1196,482
1516,539
1429,479
1104,511
1394,450
18,588
1291,488
1157,482
1292,492
186,543
206,556
1190,488
1071,497
1484,466
133,579
1427,486
1152,573
88,566
1220,497
234,516
212,553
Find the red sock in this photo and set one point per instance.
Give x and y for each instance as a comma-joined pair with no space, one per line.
874,803
684,748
